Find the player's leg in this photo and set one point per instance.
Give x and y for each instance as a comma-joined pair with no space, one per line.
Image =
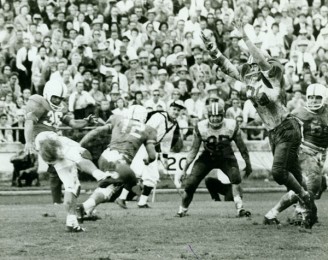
55,185
199,170
230,167
127,176
216,187
150,178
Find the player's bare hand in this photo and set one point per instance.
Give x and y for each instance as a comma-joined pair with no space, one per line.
239,24
248,170
29,148
207,41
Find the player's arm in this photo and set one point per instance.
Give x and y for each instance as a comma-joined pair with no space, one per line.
224,64
150,148
243,150
79,123
194,149
94,134
256,53
32,116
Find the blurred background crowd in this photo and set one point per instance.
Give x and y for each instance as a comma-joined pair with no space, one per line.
111,54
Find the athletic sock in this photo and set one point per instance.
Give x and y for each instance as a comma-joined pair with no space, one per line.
89,205
124,194
71,221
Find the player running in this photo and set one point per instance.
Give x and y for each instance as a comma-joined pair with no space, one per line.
313,149
216,133
47,113
264,79
66,156
128,134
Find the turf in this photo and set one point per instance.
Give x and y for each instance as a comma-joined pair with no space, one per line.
32,228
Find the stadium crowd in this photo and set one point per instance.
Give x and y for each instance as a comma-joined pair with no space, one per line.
112,54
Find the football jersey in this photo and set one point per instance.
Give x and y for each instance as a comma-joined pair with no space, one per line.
217,141
128,135
315,126
44,118
268,95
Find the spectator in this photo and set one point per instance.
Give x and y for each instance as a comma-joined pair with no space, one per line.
6,135
95,93
103,112
120,109
298,100
155,101
80,102
234,111
18,135
194,105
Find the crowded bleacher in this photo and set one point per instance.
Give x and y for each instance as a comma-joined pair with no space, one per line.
112,54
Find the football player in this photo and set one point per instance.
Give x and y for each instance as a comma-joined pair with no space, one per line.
312,150
216,133
168,135
65,155
47,113
264,79
128,134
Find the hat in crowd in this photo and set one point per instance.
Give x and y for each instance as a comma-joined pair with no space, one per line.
175,45
303,31
211,87
9,25
86,71
199,55
303,43
180,54
297,88
178,104
301,14
109,74
196,46
162,72
139,74
317,16
96,21
195,91
133,57
277,14
116,62
125,38
37,16
115,91
234,34
183,69
151,11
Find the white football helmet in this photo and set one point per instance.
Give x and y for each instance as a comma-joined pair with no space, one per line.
55,88
315,90
137,112
215,109
44,136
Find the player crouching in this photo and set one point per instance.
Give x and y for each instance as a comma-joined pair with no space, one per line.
216,133
65,155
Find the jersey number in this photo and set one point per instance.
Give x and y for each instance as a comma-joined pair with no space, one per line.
135,130
53,118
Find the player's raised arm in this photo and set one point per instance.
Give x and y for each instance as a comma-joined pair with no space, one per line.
255,52
224,64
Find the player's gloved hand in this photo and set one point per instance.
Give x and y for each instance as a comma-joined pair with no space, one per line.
29,148
210,46
248,170
146,161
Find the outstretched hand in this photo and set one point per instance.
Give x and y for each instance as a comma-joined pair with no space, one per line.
239,24
91,119
207,41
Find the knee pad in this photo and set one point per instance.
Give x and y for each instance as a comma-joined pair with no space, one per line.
107,192
235,177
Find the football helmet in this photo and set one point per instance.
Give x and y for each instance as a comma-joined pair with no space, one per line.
315,90
55,88
137,112
217,110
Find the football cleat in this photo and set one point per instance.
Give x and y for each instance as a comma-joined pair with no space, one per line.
181,214
121,203
271,221
146,206
76,229
244,213
83,216
310,215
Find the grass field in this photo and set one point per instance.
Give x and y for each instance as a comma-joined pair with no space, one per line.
210,232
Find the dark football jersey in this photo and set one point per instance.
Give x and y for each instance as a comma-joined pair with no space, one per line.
128,135
44,118
315,126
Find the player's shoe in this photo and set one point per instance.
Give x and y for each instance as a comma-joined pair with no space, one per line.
310,215
181,214
145,206
271,221
76,229
244,213
121,203
83,216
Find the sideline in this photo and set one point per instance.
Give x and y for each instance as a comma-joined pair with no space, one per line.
158,191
